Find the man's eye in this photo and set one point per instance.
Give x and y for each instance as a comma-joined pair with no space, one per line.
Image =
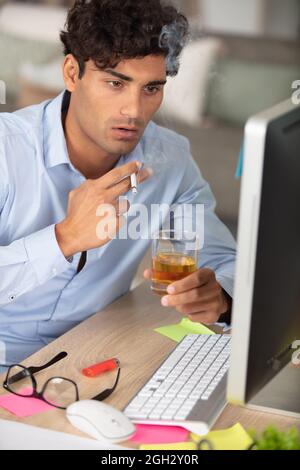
115,84
152,89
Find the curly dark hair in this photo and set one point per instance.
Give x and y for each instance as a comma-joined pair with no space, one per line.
108,31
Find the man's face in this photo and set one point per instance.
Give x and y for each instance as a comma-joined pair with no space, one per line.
105,102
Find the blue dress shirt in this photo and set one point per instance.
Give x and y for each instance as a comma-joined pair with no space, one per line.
41,294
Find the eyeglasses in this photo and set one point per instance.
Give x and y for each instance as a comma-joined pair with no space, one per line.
59,392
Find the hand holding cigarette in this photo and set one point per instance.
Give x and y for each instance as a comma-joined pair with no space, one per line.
78,231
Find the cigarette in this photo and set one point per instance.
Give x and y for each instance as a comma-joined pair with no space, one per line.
133,182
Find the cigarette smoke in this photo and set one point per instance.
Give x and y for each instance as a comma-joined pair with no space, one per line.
173,38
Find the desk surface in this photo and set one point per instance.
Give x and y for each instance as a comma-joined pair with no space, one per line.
124,330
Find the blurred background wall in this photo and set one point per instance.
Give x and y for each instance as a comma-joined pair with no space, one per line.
243,56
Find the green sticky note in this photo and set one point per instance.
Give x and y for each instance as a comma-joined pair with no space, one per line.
235,438
178,331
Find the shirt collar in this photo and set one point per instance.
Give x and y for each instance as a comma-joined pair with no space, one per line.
55,147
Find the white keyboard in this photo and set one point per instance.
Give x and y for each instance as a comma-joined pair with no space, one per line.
188,378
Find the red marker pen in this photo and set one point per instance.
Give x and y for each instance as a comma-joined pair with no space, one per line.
97,369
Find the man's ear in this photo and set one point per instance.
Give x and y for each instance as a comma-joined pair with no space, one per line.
70,69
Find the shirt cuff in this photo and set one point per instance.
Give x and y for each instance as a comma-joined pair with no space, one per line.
45,255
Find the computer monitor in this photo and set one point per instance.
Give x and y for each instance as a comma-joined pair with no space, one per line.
266,309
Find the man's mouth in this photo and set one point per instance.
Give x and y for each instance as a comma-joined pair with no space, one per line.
126,132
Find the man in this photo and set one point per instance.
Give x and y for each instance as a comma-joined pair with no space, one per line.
62,160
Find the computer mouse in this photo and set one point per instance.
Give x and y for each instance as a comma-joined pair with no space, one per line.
100,421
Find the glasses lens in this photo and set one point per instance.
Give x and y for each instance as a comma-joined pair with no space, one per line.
19,381
60,392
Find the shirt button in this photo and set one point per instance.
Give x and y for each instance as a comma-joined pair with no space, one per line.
12,297
54,271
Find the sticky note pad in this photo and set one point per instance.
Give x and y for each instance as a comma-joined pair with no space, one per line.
23,407
173,446
178,331
235,438
155,434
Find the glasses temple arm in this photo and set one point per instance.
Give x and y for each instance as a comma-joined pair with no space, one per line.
32,370
108,391
54,360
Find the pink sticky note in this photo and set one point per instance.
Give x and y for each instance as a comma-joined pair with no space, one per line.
23,407
156,434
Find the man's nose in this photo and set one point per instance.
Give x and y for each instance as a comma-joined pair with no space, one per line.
133,108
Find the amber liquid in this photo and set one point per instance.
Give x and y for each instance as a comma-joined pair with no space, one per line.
170,267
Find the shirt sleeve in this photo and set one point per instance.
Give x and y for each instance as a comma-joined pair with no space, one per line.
31,261
28,263
3,178
219,247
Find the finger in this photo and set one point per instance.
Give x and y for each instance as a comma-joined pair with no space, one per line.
122,206
116,207
207,318
148,274
196,307
124,186
142,176
202,294
110,211
194,280
117,174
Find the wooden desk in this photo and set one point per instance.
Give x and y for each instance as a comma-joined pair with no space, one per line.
124,330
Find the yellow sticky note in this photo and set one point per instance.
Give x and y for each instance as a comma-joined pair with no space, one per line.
176,446
193,327
235,438
178,331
